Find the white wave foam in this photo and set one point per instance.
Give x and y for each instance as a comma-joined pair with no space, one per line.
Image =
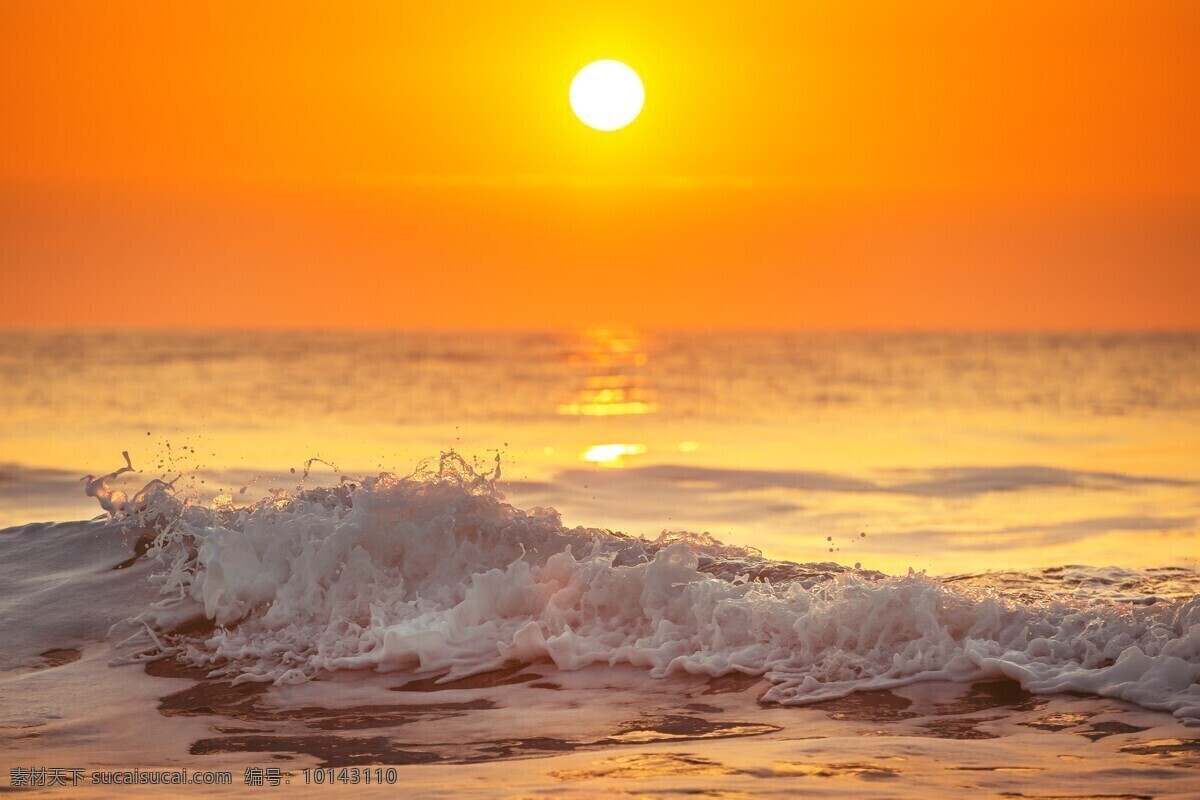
435,572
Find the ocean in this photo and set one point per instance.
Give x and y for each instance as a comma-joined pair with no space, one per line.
605,561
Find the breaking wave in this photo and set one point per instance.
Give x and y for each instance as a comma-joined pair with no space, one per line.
435,573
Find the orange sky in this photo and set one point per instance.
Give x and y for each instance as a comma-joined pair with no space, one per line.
860,163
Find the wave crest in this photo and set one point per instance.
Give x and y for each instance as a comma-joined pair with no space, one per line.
435,573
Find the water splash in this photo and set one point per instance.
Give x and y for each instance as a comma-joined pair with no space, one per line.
433,572
118,505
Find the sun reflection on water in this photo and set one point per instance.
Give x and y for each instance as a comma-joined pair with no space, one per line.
611,358
611,384
612,455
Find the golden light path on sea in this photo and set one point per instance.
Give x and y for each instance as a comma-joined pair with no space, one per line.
721,450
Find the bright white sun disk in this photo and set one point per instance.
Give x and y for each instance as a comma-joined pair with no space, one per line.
607,95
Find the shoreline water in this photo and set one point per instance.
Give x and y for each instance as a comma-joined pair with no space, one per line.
436,572
687,663
597,732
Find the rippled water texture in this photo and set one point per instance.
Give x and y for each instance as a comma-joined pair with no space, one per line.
951,452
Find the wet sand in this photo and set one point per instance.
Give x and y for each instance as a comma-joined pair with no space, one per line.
528,731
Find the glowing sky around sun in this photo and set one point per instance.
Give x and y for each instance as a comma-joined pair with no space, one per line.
927,164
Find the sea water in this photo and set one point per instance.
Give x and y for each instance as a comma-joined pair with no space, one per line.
823,516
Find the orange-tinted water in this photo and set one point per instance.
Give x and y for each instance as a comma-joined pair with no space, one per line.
951,452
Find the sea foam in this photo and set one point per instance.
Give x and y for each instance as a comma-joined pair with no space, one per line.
436,573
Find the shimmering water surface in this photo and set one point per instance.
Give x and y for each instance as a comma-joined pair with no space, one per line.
951,452
283,592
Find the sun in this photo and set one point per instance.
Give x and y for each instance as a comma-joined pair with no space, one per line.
607,95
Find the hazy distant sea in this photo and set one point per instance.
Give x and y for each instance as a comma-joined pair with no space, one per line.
951,452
